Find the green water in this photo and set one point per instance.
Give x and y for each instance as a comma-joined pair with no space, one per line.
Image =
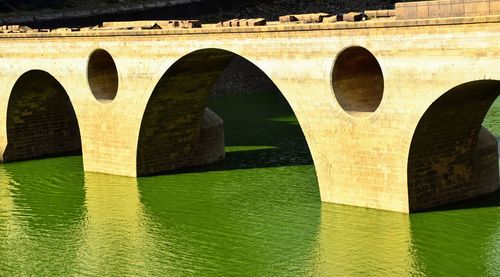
256,214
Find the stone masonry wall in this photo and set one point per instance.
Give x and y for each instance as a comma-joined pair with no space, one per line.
242,77
171,125
451,156
446,8
40,119
210,146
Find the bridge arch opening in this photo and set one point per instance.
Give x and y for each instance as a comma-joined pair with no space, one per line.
358,82
452,157
41,120
179,131
102,76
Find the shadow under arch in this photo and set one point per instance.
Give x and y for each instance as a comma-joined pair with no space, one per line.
177,129
41,120
452,157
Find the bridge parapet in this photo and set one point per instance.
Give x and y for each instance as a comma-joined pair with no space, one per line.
446,9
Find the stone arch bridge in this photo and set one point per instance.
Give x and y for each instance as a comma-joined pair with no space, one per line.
391,109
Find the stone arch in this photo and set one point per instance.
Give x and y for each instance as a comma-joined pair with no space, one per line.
177,128
41,120
451,156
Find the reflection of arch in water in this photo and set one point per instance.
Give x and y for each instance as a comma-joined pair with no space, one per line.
451,156
176,129
41,120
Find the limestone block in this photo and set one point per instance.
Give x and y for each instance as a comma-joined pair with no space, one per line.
408,10
226,23
287,18
433,10
256,22
495,8
379,13
332,19
14,28
234,23
189,24
354,16
457,9
305,18
311,17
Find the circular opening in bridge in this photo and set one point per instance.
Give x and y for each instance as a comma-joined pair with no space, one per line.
102,76
358,82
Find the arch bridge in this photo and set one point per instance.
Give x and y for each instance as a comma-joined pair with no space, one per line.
391,109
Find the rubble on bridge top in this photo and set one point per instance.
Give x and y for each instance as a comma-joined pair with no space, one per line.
418,10
148,25
243,22
304,18
328,18
118,25
14,29
189,24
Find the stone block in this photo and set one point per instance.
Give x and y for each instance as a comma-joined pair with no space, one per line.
234,23
476,8
306,18
189,24
457,9
406,11
445,10
256,22
495,8
423,12
354,16
287,18
332,19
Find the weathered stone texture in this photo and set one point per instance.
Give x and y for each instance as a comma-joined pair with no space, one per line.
241,77
171,125
40,119
210,146
451,156
446,8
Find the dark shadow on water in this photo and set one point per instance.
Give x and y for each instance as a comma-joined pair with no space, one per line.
484,201
261,131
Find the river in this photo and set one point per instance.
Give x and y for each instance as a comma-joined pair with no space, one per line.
256,214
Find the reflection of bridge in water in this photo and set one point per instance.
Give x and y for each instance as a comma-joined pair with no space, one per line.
391,108
96,224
